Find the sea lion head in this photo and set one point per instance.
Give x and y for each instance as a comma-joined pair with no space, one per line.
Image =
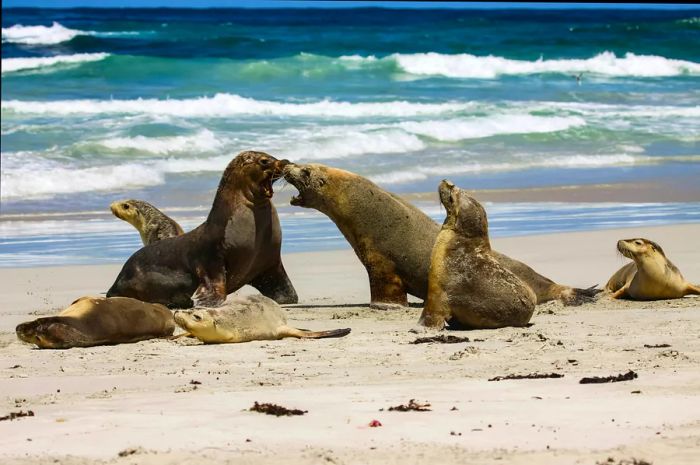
253,172
464,213
311,181
638,247
49,333
200,322
129,211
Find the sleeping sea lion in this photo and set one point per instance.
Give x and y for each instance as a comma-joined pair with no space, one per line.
238,244
392,238
244,319
151,223
466,282
94,321
651,276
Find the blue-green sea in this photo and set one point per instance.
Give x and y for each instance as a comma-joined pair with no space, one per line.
104,104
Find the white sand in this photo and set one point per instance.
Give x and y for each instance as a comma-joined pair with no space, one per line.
90,404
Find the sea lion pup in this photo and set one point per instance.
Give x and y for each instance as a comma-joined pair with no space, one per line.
651,276
392,238
238,244
151,223
466,282
244,319
94,321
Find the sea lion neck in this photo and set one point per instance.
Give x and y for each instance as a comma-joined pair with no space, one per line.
231,197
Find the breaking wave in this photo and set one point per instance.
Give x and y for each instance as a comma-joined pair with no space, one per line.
20,64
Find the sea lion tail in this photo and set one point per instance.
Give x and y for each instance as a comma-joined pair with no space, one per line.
303,333
580,296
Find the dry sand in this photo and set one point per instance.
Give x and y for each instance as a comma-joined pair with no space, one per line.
139,399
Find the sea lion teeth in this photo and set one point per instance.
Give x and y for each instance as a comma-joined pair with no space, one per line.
467,286
244,319
238,244
651,276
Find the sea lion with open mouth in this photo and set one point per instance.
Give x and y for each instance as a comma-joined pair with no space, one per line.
238,244
394,239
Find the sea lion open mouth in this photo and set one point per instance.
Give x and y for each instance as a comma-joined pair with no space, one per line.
266,184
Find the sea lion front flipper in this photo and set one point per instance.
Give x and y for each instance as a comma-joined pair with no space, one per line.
288,331
212,288
620,293
386,288
276,285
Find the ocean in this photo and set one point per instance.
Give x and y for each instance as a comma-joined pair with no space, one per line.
106,104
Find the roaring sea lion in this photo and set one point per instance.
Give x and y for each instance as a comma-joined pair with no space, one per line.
94,321
151,223
238,244
651,276
466,282
392,238
244,319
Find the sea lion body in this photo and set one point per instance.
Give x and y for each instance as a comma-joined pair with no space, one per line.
467,285
93,321
238,244
244,319
152,224
651,276
392,238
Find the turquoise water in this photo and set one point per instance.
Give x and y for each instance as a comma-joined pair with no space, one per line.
105,104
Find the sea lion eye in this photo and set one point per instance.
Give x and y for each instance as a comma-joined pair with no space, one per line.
264,161
639,242
196,317
125,206
306,172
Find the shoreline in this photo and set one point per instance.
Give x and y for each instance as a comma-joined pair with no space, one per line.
138,399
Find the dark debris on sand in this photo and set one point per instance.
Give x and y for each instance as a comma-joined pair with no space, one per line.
529,376
632,461
411,406
629,376
442,339
14,415
276,410
656,346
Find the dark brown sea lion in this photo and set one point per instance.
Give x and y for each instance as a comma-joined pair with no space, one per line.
244,319
651,276
94,321
392,238
152,224
238,244
467,284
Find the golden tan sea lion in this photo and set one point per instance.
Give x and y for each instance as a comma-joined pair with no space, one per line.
151,223
392,238
238,244
651,276
244,319
467,283
94,321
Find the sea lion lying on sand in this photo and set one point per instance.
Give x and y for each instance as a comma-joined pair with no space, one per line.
238,244
244,319
151,223
466,282
392,238
651,276
94,321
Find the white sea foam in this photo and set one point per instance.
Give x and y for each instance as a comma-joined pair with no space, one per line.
18,64
40,35
490,67
224,105
459,129
202,141
28,183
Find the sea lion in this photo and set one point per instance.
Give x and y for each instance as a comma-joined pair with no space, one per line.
466,282
392,238
244,319
238,244
651,276
94,321
151,223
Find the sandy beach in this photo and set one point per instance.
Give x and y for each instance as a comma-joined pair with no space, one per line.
161,402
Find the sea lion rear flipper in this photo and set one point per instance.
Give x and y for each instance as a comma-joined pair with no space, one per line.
580,296
276,285
288,331
212,288
692,290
